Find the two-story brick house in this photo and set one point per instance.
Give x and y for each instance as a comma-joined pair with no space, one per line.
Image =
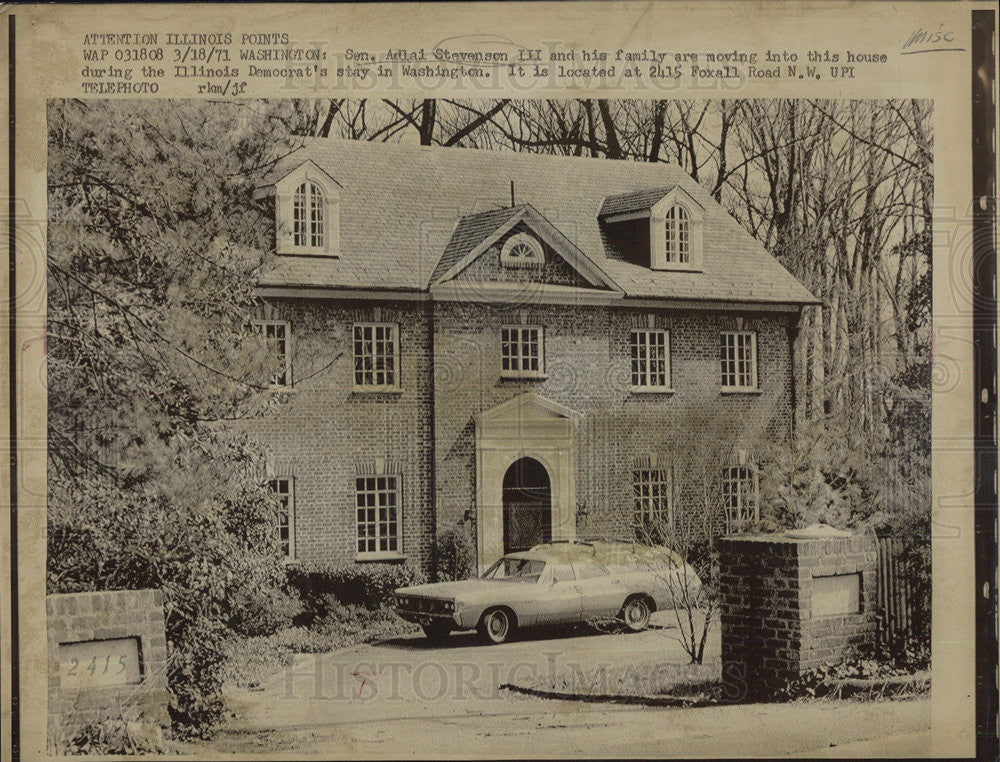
527,346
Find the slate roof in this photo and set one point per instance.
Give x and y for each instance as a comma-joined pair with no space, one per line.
404,209
624,203
471,231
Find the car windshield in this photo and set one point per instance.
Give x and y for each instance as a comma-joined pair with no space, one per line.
515,569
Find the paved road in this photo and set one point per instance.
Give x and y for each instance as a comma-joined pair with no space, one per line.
409,698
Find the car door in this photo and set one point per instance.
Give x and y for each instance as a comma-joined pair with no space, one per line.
559,598
602,593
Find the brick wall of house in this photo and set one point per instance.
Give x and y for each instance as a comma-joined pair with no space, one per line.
771,628
588,367
326,433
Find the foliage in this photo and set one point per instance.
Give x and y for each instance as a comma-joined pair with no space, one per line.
325,588
215,560
827,474
454,554
249,661
123,731
154,243
868,661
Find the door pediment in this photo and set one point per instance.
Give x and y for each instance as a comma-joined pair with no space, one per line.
528,414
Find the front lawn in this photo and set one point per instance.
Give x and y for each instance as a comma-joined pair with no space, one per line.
250,661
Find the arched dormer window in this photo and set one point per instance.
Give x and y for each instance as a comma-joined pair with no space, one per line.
678,233
309,216
306,211
675,232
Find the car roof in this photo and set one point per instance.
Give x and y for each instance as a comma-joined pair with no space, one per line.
605,552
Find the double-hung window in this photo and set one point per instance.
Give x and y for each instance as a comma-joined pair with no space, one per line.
740,497
285,524
522,352
278,335
653,489
739,360
378,517
649,351
376,356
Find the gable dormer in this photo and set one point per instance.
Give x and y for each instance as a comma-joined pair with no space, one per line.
675,222
306,211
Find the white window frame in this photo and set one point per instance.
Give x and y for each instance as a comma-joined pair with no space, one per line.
735,496
644,377
393,328
284,191
289,506
519,358
262,326
522,241
662,480
370,496
725,359
664,248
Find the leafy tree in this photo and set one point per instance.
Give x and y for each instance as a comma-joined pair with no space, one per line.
155,242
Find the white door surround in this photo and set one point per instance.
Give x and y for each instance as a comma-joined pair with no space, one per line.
527,425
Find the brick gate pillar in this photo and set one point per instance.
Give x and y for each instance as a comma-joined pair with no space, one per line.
791,602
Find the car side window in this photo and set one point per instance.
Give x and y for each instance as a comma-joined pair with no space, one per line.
589,570
561,573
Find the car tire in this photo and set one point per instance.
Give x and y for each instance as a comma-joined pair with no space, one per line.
636,613
436,631
496,626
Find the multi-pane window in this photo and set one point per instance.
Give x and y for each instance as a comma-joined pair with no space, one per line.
278,335
740,497
678,231
282,488
378,514
652,489
521,351
376,355
739,359
650,354
309,216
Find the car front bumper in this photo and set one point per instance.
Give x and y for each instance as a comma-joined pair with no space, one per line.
428,618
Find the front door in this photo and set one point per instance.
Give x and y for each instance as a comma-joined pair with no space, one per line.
527,505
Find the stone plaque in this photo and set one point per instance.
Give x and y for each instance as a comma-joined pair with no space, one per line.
107,652
99,663
836,594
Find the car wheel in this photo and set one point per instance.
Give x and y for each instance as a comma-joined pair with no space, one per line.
436,631
636,614
496,626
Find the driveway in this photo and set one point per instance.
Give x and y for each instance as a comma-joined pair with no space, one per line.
410,698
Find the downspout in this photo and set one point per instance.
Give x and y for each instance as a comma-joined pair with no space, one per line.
429,315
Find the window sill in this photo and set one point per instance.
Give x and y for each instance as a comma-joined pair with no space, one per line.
523,376
382,556
652,390
378,390
740,390
308,252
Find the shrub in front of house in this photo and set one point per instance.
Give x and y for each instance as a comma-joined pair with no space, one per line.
322,587
454,554
216,562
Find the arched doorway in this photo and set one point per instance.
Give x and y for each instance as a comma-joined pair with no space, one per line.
527,505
